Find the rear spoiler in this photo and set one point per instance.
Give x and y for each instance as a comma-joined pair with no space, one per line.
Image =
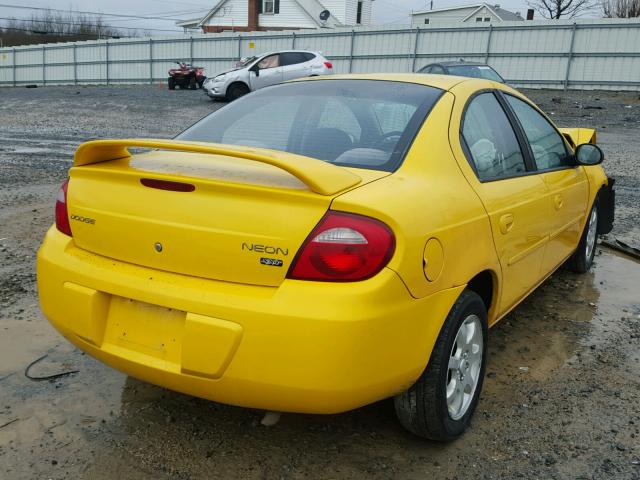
321,177
578,136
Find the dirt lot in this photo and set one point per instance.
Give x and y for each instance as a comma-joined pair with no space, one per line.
561,398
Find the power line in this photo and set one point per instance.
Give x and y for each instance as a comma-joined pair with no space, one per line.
87,12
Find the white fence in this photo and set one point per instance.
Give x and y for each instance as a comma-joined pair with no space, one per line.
585,54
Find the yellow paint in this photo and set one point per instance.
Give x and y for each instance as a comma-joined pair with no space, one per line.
202,315
252,45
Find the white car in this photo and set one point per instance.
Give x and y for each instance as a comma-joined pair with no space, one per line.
267,69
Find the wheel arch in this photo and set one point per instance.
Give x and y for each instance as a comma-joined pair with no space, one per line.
238,82
485,284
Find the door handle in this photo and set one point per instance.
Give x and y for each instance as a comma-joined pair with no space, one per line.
558,202
506,222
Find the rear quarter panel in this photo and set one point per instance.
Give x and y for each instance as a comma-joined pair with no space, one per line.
428,197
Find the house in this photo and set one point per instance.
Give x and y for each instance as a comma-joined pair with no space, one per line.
476,13
261,15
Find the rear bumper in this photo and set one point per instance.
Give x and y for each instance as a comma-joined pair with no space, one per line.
301,347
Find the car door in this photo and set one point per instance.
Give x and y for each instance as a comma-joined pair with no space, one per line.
267,71
566,181
514,198
294,65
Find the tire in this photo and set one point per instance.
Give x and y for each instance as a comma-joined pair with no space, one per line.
236,90
424,409
193,85
582,259
171,82
200,81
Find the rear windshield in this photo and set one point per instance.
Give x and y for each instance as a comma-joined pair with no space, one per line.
358,123
475,71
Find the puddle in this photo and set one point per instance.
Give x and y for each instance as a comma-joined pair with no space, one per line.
568,312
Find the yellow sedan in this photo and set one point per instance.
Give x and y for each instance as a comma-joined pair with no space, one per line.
323,244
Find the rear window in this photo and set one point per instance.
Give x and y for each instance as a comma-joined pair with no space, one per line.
476,71
358,123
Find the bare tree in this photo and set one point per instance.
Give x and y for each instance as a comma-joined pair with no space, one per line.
49,27
555,9
621,8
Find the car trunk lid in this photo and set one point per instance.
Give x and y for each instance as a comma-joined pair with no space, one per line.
227,213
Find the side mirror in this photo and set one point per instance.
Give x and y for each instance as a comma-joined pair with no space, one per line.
589,154
255,69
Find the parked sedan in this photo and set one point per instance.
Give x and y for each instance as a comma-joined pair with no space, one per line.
268,69
463,69
323,244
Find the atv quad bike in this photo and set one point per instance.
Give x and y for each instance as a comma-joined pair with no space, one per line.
186,76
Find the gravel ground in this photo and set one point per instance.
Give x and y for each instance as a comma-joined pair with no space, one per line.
561,398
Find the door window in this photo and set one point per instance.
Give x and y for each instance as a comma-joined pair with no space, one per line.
546,143
490,139
292,58
271,61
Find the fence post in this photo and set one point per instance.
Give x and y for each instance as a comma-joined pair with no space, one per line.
150,61
570,56
191,50
13,70
415,50
488,50
293,40
239,46
44,68
353,39
107,60
75,65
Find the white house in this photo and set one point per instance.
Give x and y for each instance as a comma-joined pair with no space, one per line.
476,13
261,15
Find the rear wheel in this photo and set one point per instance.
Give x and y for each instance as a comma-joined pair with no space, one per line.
440,404
192,83
582,258
236,90
171,82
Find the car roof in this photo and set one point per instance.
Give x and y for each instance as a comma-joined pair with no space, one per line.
453,63
443,82
286,50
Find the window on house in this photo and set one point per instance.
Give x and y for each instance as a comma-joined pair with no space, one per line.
268,6
359,13
478,19
426,21
487,19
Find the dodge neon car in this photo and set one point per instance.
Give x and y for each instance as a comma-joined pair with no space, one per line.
324,244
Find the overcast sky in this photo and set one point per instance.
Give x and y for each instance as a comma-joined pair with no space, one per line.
394,12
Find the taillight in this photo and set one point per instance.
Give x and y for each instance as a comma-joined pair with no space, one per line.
344,248
62,215
328,64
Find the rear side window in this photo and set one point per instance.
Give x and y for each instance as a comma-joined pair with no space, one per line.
359,123
490,139
547,145
292,58
308,56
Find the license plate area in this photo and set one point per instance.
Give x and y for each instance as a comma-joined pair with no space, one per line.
145,329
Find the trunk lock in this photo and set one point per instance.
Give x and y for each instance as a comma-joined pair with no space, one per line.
158,247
